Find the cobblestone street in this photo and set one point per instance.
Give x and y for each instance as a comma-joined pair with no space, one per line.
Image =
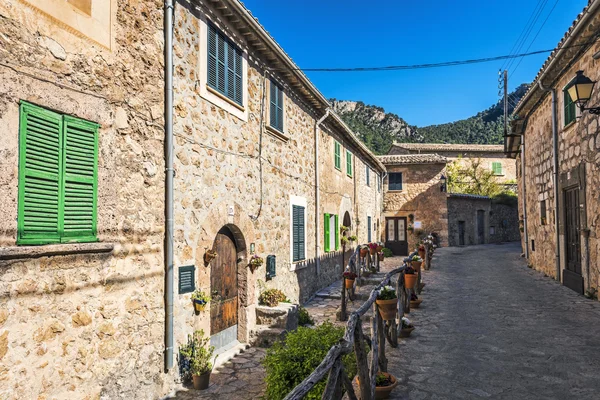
489,327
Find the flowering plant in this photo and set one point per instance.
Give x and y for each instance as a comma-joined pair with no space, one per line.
349,275
406,323
200,297
409,270
421,247
416,258
373,246
387,293
256,261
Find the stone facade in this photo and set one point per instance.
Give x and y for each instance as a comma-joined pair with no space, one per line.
466,212
421,199
578,162
87,323
87,320
487,154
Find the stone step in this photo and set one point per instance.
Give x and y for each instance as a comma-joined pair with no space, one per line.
284,316
265,336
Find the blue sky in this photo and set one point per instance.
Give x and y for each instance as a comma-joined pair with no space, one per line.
353,33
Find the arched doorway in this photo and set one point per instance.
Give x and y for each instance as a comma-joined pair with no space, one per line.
347,221
224,307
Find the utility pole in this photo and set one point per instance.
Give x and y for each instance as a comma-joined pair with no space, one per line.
505,103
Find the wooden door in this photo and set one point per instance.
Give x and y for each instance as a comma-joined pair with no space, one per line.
395,236
480,227
224,288
572,277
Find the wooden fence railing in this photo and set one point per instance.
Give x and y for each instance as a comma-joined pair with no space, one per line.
354,341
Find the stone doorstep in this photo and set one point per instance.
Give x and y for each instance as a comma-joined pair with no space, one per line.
229,354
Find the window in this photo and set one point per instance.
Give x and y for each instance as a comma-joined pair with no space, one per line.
369,229
276,104
497,168
543,215
395,181
332,232
337,155
348,163
224,66
298,236
570,109
58,177
368,174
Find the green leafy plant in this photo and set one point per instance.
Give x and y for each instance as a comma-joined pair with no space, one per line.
200,297
411,217
387,252
304,317
195,357
387,293
353,238
289,362
406,323
410,228
271,297
256,261
416,258
344,240
382,380
343,229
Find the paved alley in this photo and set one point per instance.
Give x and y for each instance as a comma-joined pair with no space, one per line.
489,327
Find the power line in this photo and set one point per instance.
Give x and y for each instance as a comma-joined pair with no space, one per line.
431,65
537,34
528,32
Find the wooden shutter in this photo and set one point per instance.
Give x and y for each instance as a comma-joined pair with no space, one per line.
570,110
301,236
337,233
80,165
348,163
273,105
238,95
326,232
298,245
212,57
497,168
337,156
39,209
369,229
221,66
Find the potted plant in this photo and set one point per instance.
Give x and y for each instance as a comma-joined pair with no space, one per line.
201,362
384,384
380,256
415,302
344,240
344,229
200,300
363,251
387,302
410,228
416,262
349,278
406,327
373,248
410,277
209,256
422,251
379,247
352,238
255,262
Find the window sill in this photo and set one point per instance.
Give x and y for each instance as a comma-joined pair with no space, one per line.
20,252
569,125
224,98
277,133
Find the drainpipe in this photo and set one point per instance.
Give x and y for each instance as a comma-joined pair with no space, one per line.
382,205
524,197
554,173
169,172
317,189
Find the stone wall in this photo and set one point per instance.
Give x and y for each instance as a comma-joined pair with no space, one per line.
87,325
420,196
578,148
505,221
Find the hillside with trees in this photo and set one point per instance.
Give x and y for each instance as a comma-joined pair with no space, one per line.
378,129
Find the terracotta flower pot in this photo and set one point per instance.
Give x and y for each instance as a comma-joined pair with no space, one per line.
387,308
416,303
410,280
422,254
363,252
381,256
373,251
405,332
416,265
349,283
379,248
201,382
383,392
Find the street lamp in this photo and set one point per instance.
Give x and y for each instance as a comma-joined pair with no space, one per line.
580,89
443,181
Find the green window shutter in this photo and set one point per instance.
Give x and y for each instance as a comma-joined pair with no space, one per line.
326,232
39,208
570,110
80,177
369,229
348,163
212,57
298,245
497,168
224,66
338,156
276,106
337,233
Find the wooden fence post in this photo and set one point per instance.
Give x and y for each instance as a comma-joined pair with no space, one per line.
374,349
383,362
361,362
334,381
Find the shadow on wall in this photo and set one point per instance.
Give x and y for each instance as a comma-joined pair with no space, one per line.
331,265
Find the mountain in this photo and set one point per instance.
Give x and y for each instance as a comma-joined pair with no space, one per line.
378,129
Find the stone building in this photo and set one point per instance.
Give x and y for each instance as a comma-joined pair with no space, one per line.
414,200
492,156
559,162
262,166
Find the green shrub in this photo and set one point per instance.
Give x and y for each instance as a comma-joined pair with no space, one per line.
387,252
304,317
271,297
290,361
